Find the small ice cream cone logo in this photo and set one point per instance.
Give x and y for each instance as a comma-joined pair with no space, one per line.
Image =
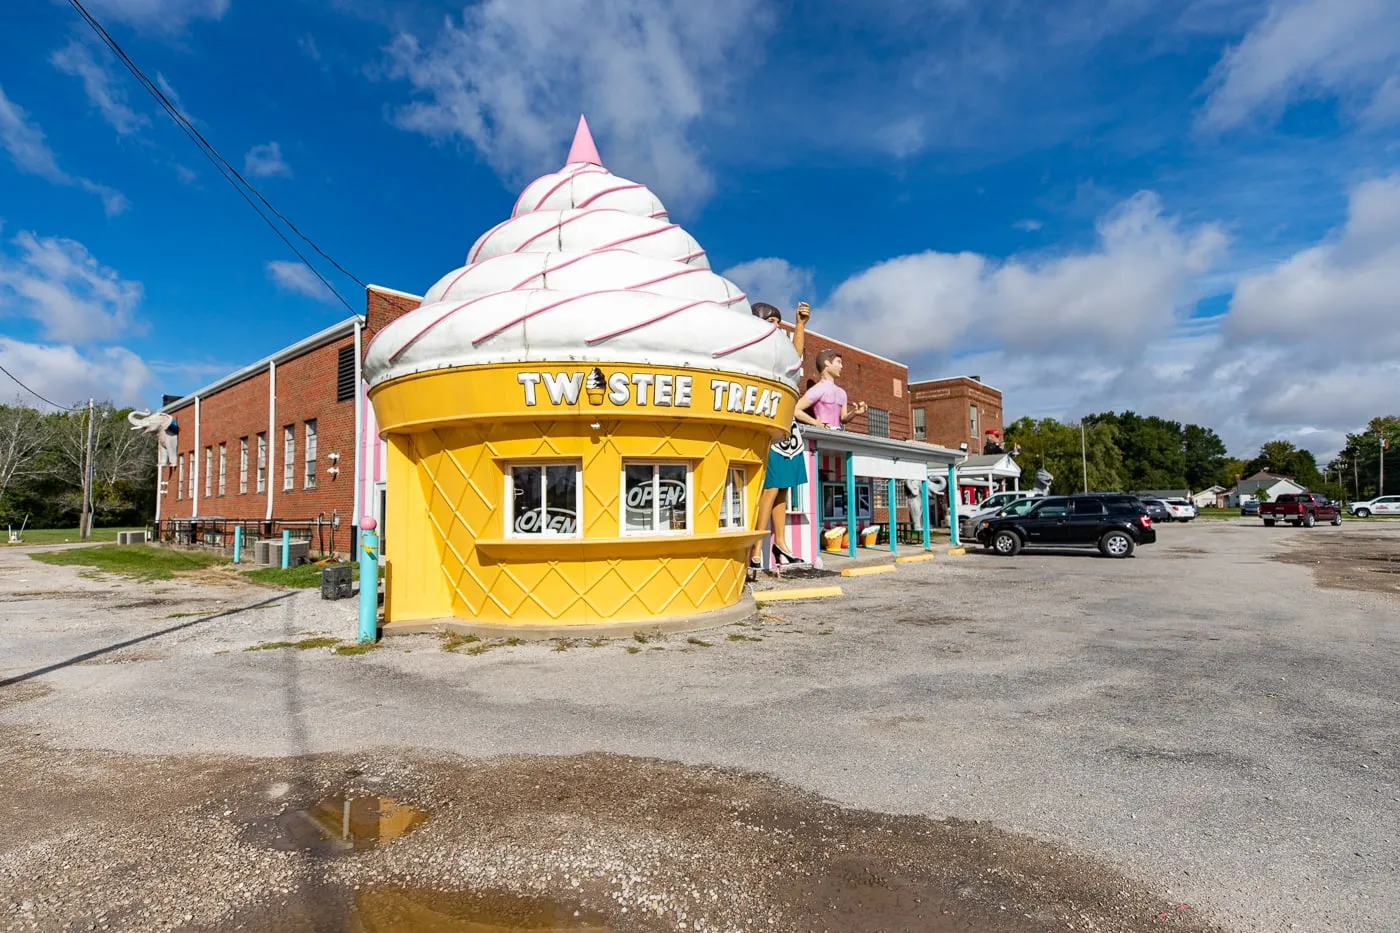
595,386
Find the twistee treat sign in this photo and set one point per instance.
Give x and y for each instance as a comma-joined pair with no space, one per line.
641,389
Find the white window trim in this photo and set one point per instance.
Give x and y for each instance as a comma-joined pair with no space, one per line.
509,510
262,462
243,466
223,468
742,483
208,472
180,478
656,518
309,461
289,457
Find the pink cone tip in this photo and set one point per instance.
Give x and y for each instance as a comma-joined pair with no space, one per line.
583,149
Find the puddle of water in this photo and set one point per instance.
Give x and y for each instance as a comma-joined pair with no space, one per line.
349,823
384,910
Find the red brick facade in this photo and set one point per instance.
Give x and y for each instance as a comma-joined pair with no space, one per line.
306,388
880,383
947,406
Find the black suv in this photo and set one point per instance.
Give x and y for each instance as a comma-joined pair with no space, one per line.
1115,524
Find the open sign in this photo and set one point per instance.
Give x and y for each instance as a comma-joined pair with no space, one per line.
547,521
671,495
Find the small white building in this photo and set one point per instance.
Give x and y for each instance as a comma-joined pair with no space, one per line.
1213,497
1272,485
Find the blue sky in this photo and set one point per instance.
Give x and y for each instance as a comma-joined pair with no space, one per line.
1190,209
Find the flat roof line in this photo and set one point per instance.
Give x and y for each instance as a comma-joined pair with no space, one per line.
391,291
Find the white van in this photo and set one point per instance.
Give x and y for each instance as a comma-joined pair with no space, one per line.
969,515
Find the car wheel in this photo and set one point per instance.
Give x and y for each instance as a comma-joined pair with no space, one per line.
1363,513
1309,520
1268,523
1006,543
1337,519
1116,544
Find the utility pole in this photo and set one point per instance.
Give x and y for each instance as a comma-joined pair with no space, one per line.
85,526
1380,491
1083,455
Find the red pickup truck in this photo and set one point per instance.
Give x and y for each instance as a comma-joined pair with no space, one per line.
1304,508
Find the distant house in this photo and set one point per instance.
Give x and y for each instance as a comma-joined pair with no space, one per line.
1160,493
1213,497
1272,484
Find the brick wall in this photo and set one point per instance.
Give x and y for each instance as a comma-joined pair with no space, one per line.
882,384
947,405
382,307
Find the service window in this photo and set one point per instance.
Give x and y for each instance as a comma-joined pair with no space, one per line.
543,499
656,498
735,507
1051,508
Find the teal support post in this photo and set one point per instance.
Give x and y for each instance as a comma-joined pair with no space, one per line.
894,541
816,477
237,543
923,505
369,581
286,549
953,537
851,529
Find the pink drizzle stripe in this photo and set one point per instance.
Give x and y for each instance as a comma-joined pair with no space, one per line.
689,256
554,229
489,233
549,307
735,300
429,326
640,324
661,213
584,170
794,368
688,270
639,236
614,189
747,343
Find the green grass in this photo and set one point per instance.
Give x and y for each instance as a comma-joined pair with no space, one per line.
301,577
65,535
134,561
633,649
351,650
692,640
323,641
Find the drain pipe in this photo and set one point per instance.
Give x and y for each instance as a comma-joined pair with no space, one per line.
271,433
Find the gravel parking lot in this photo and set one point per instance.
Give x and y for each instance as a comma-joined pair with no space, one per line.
1201,737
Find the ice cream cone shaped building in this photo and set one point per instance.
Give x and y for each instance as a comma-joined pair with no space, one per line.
577,419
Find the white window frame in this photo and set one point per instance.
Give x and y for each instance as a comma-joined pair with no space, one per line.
208,471
243,466
180,478
920,424
289,457
972,413
262,461
656,499
223,468
309,453
509,510
736,478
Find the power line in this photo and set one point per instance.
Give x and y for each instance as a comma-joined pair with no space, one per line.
230,174
37,395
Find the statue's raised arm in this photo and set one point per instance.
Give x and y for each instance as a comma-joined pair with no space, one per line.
163,427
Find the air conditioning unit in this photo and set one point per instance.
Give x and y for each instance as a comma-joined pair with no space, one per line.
131,537
267,552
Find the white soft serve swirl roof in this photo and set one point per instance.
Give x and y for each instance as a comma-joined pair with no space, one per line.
588,268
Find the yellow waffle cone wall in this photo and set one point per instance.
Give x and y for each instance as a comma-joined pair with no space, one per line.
454,435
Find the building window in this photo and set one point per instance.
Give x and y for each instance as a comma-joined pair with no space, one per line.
734,510
345,374
311,454
289,456
881,492
194,473
208,472
877,422
242,466
223,469
920,429
543,499
972,419
180,477
262,462
656,498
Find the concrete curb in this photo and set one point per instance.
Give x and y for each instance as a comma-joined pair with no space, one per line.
806,592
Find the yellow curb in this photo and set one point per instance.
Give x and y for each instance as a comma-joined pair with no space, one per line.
955,551
913,559
867,571
810,592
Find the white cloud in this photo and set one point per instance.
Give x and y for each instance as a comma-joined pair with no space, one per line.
24,141
774,281
296,277
1349,49
159,16
59,284
510,78
69,376
266,160
1131,285
1029,225
101,86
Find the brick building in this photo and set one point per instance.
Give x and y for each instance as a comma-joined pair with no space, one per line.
270,446
880,383
955,411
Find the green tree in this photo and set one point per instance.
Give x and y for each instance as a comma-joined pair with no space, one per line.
1055,447
1153,454
1276,457
1358,463
1205,457
1261,494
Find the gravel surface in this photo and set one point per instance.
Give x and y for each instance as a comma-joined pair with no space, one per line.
1202,725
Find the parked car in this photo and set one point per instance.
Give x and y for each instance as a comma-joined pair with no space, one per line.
1249,507
1157,509
1303,508
1116,525
969,515
1381,505
1183,510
